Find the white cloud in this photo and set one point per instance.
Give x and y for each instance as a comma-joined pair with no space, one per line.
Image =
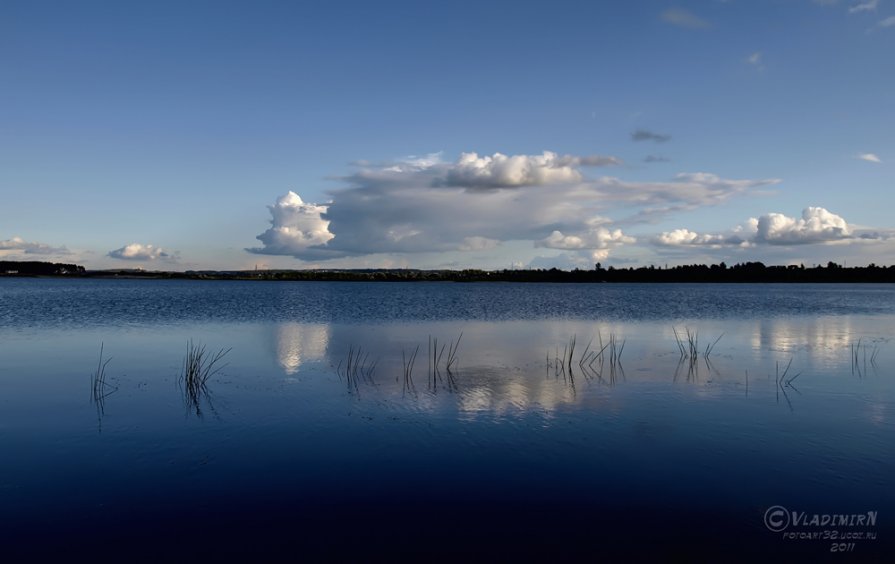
685,237
411,163
296,229
477,203
598,238
888,22
19,247
817,225
870,157
502,171
599,242
138,251
683,18
867,6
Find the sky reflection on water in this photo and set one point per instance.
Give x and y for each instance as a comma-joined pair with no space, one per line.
501,367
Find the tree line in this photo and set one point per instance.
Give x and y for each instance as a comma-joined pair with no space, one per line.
692,273
39,268
743,272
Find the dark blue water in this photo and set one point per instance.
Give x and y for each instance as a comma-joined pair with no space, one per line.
285,457
76,303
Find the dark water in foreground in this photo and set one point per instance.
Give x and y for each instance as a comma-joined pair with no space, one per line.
288,455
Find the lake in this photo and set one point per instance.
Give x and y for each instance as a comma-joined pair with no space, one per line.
446,421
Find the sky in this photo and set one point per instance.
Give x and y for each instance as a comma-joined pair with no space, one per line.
238,135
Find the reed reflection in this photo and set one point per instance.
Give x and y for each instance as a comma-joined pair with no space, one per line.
101,388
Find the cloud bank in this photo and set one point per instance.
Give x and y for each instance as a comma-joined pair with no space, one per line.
478,203
816,226
18,246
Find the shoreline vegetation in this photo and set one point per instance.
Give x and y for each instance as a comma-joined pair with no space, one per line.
749,272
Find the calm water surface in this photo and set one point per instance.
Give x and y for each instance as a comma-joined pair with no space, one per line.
288,455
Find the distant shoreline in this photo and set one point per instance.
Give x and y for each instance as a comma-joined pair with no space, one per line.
750,272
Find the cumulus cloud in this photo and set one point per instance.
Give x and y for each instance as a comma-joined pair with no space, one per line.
502,171
684,18
817,225
18,246
476,204
867,6
647,135
599,240
685,237
296,229
138,251
870,157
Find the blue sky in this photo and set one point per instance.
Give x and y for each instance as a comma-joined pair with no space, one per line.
188,135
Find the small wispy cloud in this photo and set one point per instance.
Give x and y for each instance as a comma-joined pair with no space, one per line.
870,158
826,2
590,160
656,159
888,22
755,60
684,18
868,6
647,135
